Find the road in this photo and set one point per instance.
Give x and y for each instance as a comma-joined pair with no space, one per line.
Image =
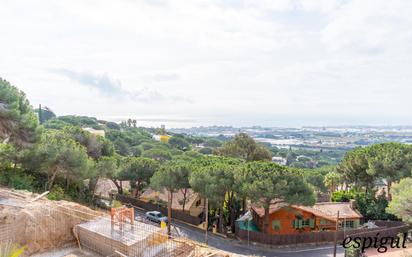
235,246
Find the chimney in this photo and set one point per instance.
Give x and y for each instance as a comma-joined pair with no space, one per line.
352,204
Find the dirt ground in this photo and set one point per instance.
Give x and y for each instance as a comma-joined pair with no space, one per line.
67,251
39,225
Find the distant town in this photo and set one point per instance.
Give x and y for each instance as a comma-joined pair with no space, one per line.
340,138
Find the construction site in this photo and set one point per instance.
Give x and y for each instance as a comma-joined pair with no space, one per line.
62,228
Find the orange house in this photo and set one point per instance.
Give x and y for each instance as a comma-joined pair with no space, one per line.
294,219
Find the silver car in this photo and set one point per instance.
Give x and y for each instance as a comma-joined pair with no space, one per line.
155,216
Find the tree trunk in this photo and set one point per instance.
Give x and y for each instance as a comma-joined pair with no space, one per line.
389,186
169,212
266,220
221,217
92,186
206,219
184,199
232,212
243,204
136,195
50,179
119,187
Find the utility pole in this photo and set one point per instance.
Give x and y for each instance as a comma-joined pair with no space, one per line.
336,235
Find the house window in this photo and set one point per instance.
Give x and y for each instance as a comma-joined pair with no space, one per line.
298,223
198,202
303,223
324,222
349,224
276,224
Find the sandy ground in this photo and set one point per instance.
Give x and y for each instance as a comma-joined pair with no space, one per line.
70,250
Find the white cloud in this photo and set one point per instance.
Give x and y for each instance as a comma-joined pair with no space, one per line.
237,61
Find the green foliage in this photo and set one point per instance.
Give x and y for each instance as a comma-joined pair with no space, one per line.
179,143
117,204
81,121
158,154
308,158
363,166
401,204
96,146
171,176
352,251
107,166
131,141
371,207
9,155
55,124
56,194
59,156
18,122
316,177
112,125
343,195
244,147
332,180
138,170
212,143
206,151
22,181
45,114
17,179
267,181
214,180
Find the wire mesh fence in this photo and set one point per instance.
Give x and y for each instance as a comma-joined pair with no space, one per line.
49,226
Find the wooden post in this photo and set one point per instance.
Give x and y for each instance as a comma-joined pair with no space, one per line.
336,235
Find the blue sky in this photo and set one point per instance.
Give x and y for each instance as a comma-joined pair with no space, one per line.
250,62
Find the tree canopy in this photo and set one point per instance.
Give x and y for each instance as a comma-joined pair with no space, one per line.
269,182
388,161
244,147
138,170
401,204
59,156
18,122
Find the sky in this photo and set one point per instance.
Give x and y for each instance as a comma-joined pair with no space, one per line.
213,62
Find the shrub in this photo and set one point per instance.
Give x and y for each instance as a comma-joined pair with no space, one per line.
343,196
56,194
117,204
21,181
17,179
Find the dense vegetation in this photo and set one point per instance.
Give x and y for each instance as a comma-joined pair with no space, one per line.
44,152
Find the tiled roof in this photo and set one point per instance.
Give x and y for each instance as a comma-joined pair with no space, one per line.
332,208
105,186
177,203
326,210
274,206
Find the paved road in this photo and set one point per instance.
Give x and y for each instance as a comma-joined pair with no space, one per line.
235,246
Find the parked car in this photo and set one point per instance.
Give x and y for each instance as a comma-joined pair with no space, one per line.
102,203
155,216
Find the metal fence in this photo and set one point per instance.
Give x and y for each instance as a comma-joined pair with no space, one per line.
154,207
390,229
